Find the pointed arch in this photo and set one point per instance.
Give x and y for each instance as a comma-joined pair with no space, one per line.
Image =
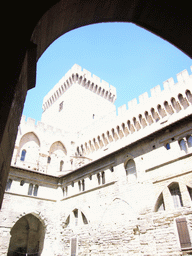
57,145
27,236
118,211
29,136
76,218
28,150
160,205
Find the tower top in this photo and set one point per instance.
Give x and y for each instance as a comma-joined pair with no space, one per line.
84,78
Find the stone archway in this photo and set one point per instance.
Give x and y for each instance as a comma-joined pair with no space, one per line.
27,236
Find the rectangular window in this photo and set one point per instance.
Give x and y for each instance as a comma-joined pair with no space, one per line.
73,246
183,233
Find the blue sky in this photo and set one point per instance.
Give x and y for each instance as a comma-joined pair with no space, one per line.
127,56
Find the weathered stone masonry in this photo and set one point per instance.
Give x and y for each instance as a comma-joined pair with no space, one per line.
126,192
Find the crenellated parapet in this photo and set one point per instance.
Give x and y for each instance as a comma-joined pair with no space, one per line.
31,123
150,114
84,78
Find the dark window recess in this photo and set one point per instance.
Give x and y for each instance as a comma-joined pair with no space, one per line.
60,106
73,246
183,233
167,146
23,154
48,159
190,192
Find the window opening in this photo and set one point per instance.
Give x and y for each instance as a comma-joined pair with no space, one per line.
23,155
83,185
79,184
176,195
61,165
189,141
182,145
168,146
48,159
75,212
183,232
22,182
35,191
103,177
30,190
84,219
8,185
190,192
60,106
131,170
98,179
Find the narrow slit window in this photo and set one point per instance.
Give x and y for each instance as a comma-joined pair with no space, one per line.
168,146
30,190
60,106
23,155
48,159
35,191
61,165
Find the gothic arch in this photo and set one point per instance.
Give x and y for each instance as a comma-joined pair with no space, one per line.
57,145
29,136
75,217
27,236
29,143
117,212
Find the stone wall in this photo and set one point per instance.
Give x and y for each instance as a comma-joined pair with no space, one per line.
104,209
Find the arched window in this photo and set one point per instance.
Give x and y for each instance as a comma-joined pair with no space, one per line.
23,155
176,195
30,190
79,185
103,177
98,179
35,190
131,170
189,141
76,218
83,185
182,145
61,165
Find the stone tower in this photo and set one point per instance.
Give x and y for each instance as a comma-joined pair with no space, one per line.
78,100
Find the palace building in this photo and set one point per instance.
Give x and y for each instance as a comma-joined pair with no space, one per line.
87,181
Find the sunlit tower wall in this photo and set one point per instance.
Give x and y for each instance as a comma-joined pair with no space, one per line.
77,100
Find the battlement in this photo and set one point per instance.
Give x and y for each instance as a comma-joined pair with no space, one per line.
149,115
84,78
169,86
30,122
